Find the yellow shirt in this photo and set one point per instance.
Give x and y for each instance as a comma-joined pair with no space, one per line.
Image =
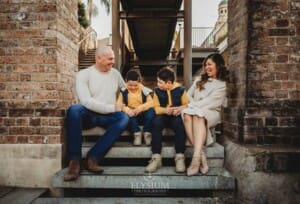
159,110
135,100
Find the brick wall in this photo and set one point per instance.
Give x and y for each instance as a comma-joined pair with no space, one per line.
38,59
237,64
265,105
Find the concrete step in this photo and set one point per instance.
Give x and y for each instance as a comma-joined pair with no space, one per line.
134,177
215,153
127,150
148,200
20,195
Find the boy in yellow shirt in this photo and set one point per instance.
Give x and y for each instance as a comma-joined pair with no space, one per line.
138,104
170,99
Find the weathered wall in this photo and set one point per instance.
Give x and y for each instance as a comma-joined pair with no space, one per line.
262,120
38,59
264,44
237,64
277,183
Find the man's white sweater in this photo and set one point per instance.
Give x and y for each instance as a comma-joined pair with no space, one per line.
97,90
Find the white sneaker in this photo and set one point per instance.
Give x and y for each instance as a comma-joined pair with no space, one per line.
154,164
147,138
137,139
179,163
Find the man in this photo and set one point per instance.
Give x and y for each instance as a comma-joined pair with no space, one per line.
97,88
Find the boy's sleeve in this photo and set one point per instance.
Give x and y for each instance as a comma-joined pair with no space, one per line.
184,98
147,105
158,109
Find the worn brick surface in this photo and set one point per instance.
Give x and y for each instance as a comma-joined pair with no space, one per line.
264,96
38,60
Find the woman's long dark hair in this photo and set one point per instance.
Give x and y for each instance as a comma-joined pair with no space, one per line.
222,72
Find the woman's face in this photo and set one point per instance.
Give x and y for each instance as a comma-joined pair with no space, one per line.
211,68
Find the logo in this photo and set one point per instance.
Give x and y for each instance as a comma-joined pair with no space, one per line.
150,185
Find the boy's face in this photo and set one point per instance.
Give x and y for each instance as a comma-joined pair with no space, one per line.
163,85
132,86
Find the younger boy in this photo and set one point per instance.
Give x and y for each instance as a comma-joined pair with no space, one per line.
138,106
170,99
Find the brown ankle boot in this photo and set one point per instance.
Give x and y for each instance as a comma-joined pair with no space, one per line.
73,171
93,166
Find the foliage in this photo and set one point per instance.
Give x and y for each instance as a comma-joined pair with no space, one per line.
82,19
106,4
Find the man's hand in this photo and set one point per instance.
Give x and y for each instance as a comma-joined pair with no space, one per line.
118,107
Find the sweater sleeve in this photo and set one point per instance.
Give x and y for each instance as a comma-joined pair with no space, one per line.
214,100
158,109
184,98
147,105
85,98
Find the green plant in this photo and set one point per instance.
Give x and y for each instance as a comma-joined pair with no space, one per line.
82,19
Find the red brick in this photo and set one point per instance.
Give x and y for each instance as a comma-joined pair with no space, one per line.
35,122
55,139
282,23
35,139
21,113
22,121
22,139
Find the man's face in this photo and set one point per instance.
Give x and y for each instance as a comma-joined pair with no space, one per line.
105,61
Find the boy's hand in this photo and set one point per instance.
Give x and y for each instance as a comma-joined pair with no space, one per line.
136,111
130,113
169,111
177,110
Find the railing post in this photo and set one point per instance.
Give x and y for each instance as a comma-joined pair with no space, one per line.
116,31
187,61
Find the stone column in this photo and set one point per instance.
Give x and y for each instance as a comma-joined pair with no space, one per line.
38,60
187,61
116,31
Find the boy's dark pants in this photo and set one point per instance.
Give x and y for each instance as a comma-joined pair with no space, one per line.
175,122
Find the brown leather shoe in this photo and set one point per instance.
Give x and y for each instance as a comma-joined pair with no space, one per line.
73,171
93,166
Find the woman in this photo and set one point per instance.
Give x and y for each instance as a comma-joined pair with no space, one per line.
207,94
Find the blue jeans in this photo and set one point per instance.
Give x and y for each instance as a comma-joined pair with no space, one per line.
176,123
146,118
79,118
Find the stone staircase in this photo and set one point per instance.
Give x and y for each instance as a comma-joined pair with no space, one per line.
87,60
124,179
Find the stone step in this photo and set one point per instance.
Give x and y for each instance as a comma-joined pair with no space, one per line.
126,150
135,178
21,195
95,131
122,200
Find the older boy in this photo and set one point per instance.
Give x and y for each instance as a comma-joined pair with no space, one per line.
170,99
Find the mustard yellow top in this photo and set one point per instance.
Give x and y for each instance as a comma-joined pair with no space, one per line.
135,100
159,110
